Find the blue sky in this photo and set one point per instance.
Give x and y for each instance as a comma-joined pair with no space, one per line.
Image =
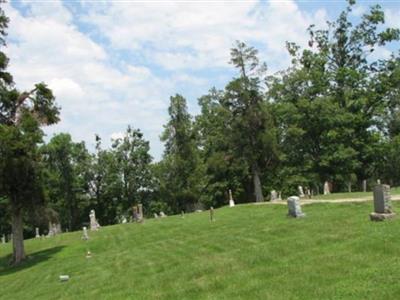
116,63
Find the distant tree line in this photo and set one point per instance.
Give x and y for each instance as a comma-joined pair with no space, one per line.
333,115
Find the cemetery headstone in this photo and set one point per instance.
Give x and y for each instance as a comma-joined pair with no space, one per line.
294,208
135,213
211,214
382,203
274,196
231,201
182,214
51,230
94,225
308,193
301,192
378,181
162,214
85,235
64,277
364,184
327,190
155,216
3,239
140,213
37,233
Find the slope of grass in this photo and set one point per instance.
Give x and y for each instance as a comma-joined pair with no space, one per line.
249,252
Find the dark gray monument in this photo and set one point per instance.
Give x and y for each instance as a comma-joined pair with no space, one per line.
382,203
294,208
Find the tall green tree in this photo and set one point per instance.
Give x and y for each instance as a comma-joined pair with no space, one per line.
253,133
325,102
67,164
21,116
180,161
133,162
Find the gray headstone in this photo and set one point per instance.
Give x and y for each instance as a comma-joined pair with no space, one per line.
378,181
382,203
155,215
364,185
301,192
140,213
85,235
231,201
94,225
162,214
294,208
3,239
37,233
326,188
274,195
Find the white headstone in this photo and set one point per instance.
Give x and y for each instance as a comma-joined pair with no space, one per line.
3,239
364,184
51,230
231,201
294,208
94,225
37,233
378,181
326,188
274,195
155,216
85,235
162,214
124,220
301,192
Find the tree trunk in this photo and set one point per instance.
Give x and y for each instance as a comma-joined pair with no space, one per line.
257,184
18,237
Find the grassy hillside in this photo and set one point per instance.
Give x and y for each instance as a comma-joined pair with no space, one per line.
249,252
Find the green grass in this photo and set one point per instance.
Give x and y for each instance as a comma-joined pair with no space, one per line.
249,252
353,195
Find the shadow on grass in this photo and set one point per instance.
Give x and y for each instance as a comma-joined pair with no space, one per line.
31,260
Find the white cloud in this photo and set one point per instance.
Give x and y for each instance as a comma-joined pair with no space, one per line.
148,51
198,35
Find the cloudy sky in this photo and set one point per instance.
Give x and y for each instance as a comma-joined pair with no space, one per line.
116,63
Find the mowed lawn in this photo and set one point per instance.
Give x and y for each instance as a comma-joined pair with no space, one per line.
249,252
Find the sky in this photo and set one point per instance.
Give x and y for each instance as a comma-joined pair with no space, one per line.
112,64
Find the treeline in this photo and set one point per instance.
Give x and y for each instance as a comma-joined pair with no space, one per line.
333,115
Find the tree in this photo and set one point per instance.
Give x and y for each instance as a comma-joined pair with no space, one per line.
105,184
133,162
21,116
327,108
67,164
252,129
179,182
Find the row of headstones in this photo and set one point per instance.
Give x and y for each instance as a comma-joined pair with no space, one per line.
308,192
382,204
54,229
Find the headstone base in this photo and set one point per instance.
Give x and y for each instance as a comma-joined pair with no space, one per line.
381,217
299,215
